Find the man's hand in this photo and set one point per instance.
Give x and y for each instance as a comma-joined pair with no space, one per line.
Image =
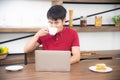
75,54
33,44
42,32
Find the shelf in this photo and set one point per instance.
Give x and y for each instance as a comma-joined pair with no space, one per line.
93,1
79,29
96,29
18,30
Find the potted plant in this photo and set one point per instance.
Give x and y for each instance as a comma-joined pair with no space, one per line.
116,20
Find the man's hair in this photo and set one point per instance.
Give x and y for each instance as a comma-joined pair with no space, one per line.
56,12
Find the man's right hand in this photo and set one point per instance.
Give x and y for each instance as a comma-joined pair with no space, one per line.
42,32
33,44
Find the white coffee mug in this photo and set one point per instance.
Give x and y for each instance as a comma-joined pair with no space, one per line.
52,30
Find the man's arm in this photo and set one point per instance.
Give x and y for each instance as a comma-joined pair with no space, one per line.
33,44
75,54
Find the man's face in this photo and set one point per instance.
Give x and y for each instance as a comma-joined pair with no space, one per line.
57,24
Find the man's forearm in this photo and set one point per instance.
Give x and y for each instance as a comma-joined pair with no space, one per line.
74,59
31,45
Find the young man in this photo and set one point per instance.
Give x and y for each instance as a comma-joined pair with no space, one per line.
64,39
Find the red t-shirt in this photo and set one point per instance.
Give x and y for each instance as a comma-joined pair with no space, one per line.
63,40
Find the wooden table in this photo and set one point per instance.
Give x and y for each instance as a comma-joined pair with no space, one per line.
79,71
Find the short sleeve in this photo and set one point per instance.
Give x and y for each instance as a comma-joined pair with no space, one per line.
75,39
39,40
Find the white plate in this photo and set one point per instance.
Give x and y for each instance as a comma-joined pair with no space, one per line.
14,67
93,68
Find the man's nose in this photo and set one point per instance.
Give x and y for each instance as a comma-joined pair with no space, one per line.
53,25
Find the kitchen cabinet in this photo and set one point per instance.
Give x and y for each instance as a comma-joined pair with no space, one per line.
103,54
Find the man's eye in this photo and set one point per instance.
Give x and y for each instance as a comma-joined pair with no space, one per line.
56,22
50,22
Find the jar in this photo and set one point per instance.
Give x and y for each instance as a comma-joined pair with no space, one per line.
83,21
98,21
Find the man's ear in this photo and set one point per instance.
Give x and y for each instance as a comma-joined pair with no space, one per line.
64,20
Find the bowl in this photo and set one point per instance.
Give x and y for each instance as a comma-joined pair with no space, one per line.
3,56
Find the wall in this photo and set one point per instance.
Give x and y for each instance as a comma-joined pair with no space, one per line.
88,9
96,40
91,41
23,13
33,14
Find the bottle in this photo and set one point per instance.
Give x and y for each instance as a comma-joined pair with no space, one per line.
83,21
70,18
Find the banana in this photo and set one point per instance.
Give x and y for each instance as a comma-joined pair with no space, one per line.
3,50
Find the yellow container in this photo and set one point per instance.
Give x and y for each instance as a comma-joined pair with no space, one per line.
98,21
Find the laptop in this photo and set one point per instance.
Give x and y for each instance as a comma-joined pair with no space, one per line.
52,60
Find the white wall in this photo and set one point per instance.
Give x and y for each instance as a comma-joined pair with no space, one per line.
14,46
88,9
33,14
91,41
96,40
24,13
